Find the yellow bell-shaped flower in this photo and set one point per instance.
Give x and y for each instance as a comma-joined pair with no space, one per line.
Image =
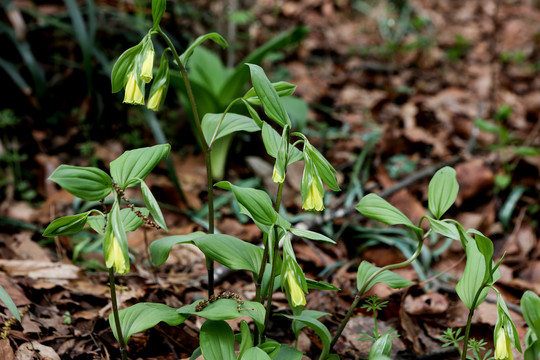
147,66
276,177
314,198
503,349
133,93
155,100
297,294
115,257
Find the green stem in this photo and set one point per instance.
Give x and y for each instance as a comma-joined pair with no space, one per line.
271,284
360,293
206,151
468,326
112,287
220,121
375,324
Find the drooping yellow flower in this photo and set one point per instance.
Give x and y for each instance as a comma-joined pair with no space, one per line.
297,294
133,93
503,349
314,200
276,177
115,257
155,100
147,66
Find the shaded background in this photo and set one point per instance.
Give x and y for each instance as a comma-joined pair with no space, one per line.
385,89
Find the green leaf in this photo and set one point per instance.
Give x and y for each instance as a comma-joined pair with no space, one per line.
530,307
255,353
319,328
268,96
297,326
365,270
375,207
231,252
153,206
158,9
287,352
325,170
66,225
485,246
227,309
270,348
143,316
254,114
246,339
136,164
97,223
442,191
123,66
526,151
320,285
532,351
272,142
160,249
473,277
444,228
257,203
130,220
215,37
87,183
8,302
231,123
282,88
217,340
311,235
381,347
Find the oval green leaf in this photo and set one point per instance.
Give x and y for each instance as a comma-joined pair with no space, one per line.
442,191
143,316
152,205
375,207
87,183
282,88
268,96
311,235
66,225
365,270
137,164
231,123
217,340
231,252
160,249
227,309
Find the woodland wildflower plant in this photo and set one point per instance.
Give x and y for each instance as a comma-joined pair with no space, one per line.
270,267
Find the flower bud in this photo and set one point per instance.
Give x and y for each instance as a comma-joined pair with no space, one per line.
147,65
115,257
159,87
276,177
314,197
298,297
155,100
503,349
133,94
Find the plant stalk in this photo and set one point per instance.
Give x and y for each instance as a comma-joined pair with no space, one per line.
360,293
114,302
207,155
259,296
468,326
271,285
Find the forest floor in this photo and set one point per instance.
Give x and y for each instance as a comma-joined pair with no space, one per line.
408,86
